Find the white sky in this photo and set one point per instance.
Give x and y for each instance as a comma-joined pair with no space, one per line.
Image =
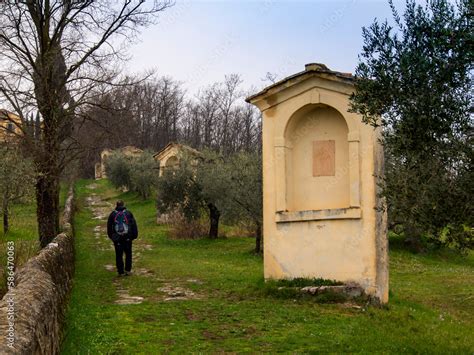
199,42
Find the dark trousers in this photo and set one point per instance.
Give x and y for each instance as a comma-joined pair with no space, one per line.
120,249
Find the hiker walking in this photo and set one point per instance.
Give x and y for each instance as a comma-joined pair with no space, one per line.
122,230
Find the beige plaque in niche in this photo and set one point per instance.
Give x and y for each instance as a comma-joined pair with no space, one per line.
324,158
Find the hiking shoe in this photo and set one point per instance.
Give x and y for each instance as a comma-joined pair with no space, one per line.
121,275
128,273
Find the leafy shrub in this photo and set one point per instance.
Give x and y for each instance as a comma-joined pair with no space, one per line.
117,168
143,174
135,173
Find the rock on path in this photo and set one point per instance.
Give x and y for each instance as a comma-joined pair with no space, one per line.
124,298
176,293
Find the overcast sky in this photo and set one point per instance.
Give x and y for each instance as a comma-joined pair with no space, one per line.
199,42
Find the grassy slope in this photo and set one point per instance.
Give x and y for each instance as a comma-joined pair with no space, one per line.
24,232
23,225
431,306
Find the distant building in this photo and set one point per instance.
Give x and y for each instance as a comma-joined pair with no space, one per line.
169,156
128,151
10,126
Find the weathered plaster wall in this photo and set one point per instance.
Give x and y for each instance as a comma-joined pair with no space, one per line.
103,157
9,126
321,226
41,295
169,158
316,123
129,151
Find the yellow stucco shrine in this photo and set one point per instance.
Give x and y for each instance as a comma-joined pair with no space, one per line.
129,151
322,215
171,154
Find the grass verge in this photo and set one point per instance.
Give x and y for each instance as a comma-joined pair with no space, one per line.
24,233
224,307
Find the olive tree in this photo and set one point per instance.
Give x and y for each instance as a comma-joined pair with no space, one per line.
143,174
135,173
415,79
233,184
118,169
179,189
228,186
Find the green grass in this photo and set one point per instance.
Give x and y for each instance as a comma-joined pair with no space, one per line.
431,305
23,225
24,233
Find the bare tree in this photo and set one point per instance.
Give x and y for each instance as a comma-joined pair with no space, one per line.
149,114
143,113
226,100
208,110
55,53
218,118
191,128
271,77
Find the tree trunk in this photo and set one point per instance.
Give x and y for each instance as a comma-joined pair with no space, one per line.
47,203
214,215
413,239
258,237
51,96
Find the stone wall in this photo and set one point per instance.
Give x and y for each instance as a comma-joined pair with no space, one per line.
40,296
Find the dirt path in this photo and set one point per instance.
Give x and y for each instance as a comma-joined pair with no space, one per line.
171,291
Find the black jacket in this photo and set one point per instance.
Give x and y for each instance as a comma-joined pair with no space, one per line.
132,224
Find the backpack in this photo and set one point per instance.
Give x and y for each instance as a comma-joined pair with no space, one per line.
121,226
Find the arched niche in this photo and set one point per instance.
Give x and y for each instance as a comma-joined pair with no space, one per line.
172,162
317,159
103,158
317,166
105,154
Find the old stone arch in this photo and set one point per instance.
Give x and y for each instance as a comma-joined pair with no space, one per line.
172,162
317,159
321,168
